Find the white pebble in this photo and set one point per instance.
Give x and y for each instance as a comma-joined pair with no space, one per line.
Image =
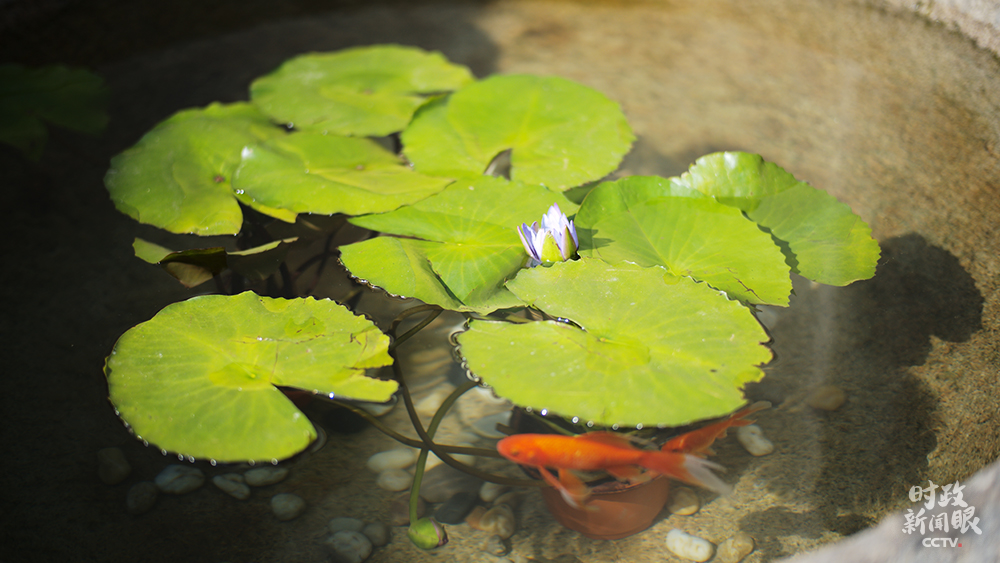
735,548
490,491
399,458
112,467
179,479
232,484
287,506
690,547
753,439
394,480
377,533
683,501
350,547
499,520
141,497
267,475
429,404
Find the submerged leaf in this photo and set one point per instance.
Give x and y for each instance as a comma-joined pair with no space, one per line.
561,134
328,174
467,244
654,221
73,98
179,175
823,239
365,91
653,349
199,377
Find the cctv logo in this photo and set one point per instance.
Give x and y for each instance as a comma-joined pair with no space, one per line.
941,542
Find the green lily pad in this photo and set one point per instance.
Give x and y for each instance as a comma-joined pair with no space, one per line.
461,244
561,134
656,221
365,91
178,176
196,266
199,378
654,349
73,98
328,174
823,239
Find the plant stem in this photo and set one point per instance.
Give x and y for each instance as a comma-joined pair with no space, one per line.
435,312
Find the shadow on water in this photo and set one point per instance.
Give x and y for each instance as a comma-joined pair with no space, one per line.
861,459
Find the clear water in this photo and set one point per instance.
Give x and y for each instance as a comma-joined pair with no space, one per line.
894,116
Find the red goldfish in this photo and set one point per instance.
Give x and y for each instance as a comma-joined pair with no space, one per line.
680,458
698,442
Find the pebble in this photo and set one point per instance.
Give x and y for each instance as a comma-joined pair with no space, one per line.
399,510
443,482
112,467
498,520
232,484
378,409
141,497
344,524
487,426
734,548
490,491
495,545
454,510
753,439
683,501
475,515
394,480
349,547
689,547
510,498
429,404
267,475
377,533
179,479
287,506
827,398
399,458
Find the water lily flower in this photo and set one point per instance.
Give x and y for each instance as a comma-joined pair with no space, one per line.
427,533
554,241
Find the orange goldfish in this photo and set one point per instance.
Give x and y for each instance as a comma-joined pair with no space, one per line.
680,458
698,442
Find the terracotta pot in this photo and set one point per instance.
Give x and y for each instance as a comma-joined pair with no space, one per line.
615,510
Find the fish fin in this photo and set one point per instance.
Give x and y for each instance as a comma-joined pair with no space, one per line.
571,488
688,468
630,473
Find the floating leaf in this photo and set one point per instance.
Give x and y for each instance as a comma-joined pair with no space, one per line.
178,176
561,134
653,349
73,98
655,221
826,242
468,244
366,91
328,174
196,266
199,377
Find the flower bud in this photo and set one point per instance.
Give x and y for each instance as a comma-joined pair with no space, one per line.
554,241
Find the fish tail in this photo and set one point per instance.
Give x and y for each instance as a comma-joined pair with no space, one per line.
688,468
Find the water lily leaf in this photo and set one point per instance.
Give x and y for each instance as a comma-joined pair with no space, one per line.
823,239
461,245
656,221
328,174
654,349
199,378
365,91
196,266
73,98
561,134
178,176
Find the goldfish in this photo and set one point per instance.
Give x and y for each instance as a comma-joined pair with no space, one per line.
698,442
681,458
